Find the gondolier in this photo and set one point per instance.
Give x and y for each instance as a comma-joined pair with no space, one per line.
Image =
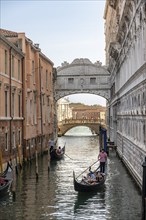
51,145
102,157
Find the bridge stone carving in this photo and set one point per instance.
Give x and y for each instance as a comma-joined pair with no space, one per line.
82,76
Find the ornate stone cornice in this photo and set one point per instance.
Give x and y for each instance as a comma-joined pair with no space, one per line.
114,49
19,91
6,86
113,3
13,89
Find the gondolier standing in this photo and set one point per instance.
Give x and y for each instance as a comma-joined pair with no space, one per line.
51,144
102,157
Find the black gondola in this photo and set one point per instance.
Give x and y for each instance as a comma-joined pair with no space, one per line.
84,186
57,156
6,179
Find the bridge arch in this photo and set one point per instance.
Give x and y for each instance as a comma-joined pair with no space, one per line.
63,132
82,76
93,125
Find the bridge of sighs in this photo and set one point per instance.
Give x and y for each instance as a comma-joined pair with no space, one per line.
81,76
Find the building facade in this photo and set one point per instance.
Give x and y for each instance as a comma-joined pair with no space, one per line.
125,31
64,111
37,103
89,112
11,95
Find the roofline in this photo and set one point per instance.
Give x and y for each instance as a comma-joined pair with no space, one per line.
46,58
12,45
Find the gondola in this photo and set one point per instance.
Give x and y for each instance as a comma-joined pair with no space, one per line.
84,186
57,156
6,179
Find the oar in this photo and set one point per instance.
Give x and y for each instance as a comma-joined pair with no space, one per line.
87,168
97,168
66,154
69,157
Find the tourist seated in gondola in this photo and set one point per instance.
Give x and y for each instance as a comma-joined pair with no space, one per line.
99,176
90,178
2,181
59,150
91,174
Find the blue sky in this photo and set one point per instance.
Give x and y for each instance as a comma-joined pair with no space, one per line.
65,30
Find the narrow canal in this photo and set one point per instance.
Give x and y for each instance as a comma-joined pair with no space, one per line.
53,196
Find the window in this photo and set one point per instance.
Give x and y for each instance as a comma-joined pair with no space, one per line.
6,103
46,78
14,142
19,137
28,108
31,112
35,110
43,99
18,69
6,61
33,71
6,141
93,81
12,67
48,100
13,105
19,105
70,80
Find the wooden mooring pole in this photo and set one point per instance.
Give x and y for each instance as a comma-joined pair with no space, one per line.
14,180
1,162
49,159
144,191
36,165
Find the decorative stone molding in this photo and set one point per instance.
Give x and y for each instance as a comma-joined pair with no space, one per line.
114,49
35,91
112,3
103,93
98,63
19,91
6,86
29,90
65,64
13,89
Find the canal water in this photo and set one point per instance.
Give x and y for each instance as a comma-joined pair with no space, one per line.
53,196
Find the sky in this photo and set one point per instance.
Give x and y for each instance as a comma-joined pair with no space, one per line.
64,30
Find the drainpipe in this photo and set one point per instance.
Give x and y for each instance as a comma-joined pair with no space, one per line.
10,81
41,110
23,100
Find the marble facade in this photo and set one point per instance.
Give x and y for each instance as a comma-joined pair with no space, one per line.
125,31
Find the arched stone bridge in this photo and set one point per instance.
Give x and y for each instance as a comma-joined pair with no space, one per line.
82,76
93,124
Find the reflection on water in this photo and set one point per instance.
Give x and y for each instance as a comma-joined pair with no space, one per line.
53,196
87,202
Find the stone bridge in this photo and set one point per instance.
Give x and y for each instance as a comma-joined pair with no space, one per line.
82,76
93,124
